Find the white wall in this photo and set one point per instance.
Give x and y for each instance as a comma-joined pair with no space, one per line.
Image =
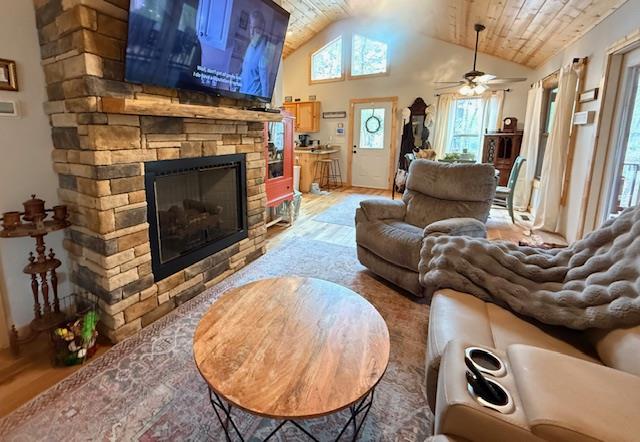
25,166
594,45
416,61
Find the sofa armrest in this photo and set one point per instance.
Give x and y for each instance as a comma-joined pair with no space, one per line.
561,395
457,227
383,209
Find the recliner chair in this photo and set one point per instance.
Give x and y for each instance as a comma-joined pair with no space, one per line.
440,199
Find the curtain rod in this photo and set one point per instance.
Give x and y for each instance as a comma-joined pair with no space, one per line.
575,60
494,90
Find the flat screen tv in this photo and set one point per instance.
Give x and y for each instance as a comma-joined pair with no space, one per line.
223,47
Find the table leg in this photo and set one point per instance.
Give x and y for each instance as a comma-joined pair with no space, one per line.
361,407
222,412
217,404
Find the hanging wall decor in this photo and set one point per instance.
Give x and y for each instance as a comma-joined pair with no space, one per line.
8,75
373,124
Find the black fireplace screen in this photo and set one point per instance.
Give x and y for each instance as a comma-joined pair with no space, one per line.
197,207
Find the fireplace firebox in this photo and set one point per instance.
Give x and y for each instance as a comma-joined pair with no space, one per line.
196,207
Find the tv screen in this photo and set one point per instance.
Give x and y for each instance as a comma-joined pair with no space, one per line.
225,47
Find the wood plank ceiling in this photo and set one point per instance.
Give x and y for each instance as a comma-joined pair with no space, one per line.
524,31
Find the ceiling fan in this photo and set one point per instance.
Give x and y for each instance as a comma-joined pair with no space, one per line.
476,82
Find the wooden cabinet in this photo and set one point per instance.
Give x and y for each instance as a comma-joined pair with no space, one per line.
278,150
307,115
501,149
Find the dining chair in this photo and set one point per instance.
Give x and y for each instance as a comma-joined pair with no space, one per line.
504,194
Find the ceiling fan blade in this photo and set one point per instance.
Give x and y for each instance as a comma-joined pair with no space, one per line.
506,80
484,78
448,82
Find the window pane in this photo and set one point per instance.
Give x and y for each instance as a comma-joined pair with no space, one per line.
469,144
468,117
372,128
629,182
326,63
466,133
552,110
368,56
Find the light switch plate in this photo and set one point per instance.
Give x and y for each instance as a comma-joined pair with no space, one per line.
9,108
585,117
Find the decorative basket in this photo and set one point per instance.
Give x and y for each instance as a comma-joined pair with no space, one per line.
75,341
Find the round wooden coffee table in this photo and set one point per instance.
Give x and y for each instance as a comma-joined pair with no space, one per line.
291,349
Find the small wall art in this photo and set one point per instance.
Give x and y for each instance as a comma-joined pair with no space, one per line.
8,76
340,114
590,95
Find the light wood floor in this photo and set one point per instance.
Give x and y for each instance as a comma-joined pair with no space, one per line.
499,224
25,377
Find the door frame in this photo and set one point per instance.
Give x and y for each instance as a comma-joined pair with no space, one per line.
392,148
596,181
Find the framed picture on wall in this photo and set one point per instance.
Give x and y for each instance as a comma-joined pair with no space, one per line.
8,77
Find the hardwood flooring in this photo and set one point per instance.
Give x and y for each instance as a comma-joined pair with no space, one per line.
23,378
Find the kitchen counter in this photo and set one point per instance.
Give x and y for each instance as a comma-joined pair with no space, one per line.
316,152
306,159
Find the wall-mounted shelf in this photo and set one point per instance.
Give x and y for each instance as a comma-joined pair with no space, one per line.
158,108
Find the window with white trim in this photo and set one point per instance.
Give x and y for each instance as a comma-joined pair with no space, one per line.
326,62
368,56
466,128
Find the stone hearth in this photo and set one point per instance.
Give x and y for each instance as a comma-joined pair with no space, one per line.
100,155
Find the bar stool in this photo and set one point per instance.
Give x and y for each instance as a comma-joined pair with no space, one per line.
325,174
338,172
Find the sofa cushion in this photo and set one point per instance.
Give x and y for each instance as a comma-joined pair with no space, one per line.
618,348
566,399
452,181
437,191
456,315
397,242
507,329
423,210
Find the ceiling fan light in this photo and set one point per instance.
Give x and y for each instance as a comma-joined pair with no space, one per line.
466,90
479,89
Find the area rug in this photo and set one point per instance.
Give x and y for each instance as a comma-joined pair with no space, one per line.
147,388
343,213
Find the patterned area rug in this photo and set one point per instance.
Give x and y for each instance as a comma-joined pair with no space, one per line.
343,213
147,388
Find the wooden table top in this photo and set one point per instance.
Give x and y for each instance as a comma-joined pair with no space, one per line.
290,348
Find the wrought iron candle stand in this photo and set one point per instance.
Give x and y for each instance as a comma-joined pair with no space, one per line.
42,266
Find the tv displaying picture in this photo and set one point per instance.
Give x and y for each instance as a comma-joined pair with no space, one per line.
224,47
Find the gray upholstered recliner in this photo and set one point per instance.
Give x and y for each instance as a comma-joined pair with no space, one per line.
440,198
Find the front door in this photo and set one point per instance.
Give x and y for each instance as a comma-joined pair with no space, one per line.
371,144
624,187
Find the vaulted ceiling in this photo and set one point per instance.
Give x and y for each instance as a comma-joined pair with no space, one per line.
524,31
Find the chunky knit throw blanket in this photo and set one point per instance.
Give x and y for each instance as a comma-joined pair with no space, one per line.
593,283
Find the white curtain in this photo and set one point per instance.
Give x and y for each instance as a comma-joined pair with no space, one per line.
555,155
529,149
442,129
493,104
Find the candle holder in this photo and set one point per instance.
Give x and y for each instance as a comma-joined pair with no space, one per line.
41,266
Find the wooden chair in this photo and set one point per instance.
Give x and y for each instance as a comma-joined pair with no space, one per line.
504,194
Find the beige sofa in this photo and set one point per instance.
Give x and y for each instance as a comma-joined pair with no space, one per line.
565,384
440,199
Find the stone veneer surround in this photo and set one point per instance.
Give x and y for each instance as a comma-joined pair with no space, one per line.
100,157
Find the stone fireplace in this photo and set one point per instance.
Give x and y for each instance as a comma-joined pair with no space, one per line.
139,241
